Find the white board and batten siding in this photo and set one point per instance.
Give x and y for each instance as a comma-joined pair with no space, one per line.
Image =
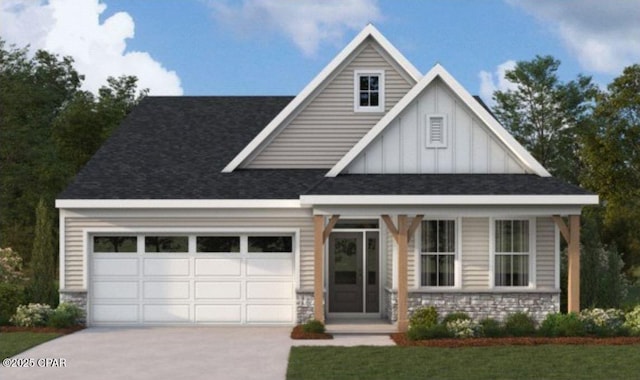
324,130
158,288
469,146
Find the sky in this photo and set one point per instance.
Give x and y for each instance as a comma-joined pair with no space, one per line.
275,47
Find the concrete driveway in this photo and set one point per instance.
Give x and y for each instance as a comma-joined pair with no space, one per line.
170,353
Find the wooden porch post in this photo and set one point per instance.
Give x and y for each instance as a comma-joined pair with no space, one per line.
571,235
321,234
402,236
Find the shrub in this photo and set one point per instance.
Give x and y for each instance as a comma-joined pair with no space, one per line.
42,287
557,324
32,315
421,332
602,322
313,326
520,324
67,315
11,296
463,328
632,321
491,328
424,316
11,266
458,316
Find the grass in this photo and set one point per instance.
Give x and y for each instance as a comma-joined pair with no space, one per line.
506,362
13,343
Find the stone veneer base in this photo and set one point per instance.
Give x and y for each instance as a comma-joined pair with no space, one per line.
79,298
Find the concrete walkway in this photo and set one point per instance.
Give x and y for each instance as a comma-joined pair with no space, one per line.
173,353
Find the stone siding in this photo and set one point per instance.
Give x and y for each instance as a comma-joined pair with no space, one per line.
304,306
478,305
77,298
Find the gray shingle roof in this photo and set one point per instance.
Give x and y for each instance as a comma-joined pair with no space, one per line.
176,148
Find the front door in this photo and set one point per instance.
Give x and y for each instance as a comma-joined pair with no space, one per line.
353,272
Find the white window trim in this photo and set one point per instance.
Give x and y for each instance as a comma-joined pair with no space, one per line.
457,262
356,90
532,254
427,129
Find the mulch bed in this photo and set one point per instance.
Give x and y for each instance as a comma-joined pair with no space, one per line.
402,340
298,333
68,330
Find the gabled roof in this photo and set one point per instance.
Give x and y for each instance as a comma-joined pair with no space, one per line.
368,32
439,72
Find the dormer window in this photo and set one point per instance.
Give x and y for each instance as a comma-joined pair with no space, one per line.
369,91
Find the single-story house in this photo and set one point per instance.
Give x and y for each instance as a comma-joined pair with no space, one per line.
372,192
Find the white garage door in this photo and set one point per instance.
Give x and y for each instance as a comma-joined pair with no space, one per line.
232,279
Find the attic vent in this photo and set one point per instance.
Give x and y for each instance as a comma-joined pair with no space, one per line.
436,131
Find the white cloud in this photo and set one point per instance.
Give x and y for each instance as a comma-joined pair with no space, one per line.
492,82
308,23
603,35
73,28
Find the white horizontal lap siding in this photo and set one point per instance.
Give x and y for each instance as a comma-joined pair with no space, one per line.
475,252
328,127
545,253
470,146
74,255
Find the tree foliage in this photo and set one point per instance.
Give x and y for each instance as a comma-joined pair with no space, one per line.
42,288
49,128
544,114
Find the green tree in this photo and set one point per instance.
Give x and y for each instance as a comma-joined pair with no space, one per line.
545,115
42,288
611,156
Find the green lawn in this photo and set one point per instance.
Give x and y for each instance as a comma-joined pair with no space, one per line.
12,343
505,362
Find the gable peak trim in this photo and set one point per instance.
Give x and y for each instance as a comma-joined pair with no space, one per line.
338,60
438,71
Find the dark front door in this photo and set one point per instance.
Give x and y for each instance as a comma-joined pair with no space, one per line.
353,272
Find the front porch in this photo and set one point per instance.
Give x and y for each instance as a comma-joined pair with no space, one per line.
398,301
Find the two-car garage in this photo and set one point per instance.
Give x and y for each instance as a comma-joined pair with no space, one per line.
181,278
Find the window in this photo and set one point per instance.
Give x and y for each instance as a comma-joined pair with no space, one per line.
436,131
511,253
115,244
166,244
437,259
270,244
226,244
369,91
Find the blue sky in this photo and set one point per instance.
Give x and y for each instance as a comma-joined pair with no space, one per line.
275,47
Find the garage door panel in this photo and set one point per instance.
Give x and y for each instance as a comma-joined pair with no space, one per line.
269,313
219,313
260,290
166,313
115,313
115,289
166,289
270,267
166,267
218,267
218,290
115,267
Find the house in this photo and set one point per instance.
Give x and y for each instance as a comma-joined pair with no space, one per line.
372,192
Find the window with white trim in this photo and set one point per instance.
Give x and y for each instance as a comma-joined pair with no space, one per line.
369,91
436,131
438,253
512,252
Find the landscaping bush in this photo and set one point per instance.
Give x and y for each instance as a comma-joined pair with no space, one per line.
632,321
67,315
313,326
421,332
602,322
424,316
11,296
463,328
520,324
557,324
457,316
32,315
491,328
